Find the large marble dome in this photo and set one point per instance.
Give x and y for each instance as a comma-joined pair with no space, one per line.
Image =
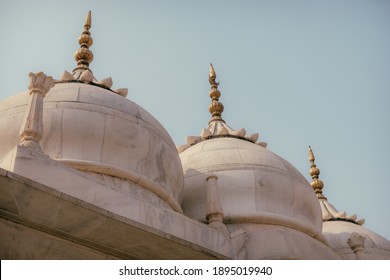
96,130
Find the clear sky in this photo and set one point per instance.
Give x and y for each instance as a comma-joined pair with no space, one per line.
298,72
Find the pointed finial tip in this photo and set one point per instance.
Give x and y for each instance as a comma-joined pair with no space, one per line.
216,107
212,71
311,154
314,172
88,20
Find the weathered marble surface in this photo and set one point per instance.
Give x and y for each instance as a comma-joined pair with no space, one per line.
22,242
262,241
85,211
109,181
251,179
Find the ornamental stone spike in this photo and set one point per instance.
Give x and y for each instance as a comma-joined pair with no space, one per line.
316,184
83,55
32,127
216,107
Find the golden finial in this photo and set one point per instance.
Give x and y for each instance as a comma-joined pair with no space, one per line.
316,184
83,55
216,107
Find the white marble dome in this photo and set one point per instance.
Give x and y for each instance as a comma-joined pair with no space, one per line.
337,234
95,130
253,183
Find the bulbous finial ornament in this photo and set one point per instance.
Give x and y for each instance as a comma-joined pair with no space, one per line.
217,127
83,55
215,108
329,212
316,184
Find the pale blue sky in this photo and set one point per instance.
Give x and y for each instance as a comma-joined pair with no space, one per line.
297,72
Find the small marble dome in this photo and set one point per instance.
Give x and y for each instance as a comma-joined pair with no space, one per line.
92,128
345,233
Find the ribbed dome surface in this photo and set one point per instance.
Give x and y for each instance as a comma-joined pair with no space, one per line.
252,181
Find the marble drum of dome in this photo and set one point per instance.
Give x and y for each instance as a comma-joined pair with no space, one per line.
95,130
254,185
